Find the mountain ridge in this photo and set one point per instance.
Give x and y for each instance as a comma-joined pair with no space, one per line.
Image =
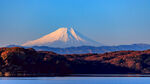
17,61
63,37
89,49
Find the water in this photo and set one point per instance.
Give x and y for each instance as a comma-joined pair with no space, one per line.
74,80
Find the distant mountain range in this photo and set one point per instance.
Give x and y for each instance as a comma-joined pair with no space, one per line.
69,41
89,49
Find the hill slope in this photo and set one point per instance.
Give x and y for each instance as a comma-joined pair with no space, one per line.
24,61
63,37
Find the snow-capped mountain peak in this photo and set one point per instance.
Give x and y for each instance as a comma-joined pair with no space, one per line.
63,37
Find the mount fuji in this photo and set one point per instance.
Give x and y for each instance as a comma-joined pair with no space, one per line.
62,38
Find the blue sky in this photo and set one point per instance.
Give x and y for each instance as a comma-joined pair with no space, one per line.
111,22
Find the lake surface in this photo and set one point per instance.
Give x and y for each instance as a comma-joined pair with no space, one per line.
74,80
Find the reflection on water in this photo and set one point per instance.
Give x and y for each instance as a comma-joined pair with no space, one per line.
74,80
75,75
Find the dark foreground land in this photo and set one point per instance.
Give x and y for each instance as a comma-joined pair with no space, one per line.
17,60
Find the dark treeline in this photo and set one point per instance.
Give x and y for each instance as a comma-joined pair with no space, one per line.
17,60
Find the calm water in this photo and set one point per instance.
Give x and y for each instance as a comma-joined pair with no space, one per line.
74,80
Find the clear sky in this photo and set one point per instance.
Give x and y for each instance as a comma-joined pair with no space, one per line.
111,22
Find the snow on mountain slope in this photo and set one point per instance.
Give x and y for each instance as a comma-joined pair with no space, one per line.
63,37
